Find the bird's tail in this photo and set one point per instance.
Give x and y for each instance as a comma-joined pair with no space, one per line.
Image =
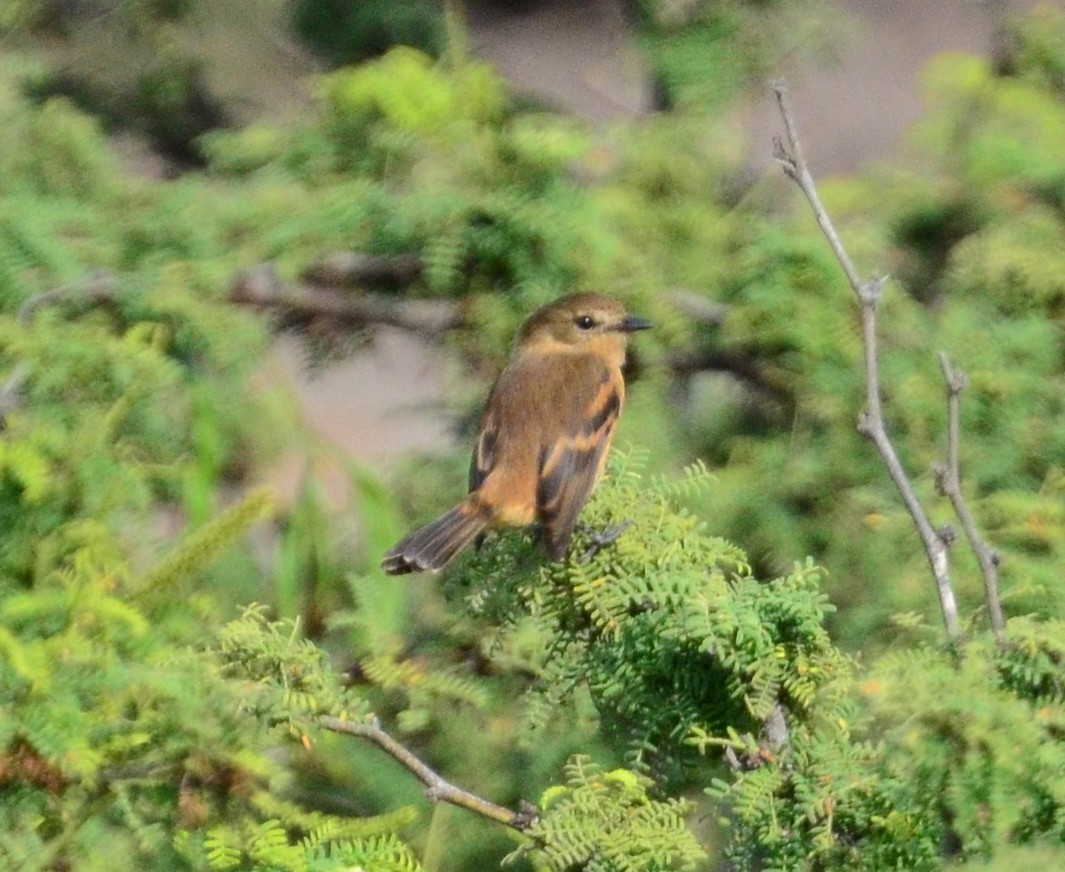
433,546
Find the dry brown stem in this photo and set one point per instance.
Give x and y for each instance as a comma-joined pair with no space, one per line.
871,421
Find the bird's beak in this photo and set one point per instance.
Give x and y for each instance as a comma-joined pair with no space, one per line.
632,323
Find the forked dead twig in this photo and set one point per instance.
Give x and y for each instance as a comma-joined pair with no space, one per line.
871,421
948,479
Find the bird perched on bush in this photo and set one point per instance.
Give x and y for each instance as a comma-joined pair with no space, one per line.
544,436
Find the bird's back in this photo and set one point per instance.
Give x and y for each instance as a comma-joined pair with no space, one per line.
549,417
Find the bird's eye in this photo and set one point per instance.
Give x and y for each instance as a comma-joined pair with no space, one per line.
585,322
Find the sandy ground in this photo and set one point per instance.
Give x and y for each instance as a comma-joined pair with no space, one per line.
379,405
858,108
579,57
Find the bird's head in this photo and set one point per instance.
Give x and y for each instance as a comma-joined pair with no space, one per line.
580,321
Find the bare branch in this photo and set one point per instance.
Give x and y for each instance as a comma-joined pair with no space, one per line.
11,392
261,287
871,421
438,789
793,161
352,269
948,479
97,287
696,307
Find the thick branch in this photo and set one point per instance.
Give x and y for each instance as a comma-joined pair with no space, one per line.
261,287
742,365
437,788
948,478
354,269
871,422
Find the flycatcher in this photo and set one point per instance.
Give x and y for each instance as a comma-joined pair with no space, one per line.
545,432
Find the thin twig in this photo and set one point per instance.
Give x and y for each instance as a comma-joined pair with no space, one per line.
96,287
11,392
871,421
438,788
948,479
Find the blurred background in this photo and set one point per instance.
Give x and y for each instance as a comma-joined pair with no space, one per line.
285,244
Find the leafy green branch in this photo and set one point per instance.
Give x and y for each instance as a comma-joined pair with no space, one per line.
596,816
295,686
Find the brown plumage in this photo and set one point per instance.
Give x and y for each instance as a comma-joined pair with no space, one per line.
544,436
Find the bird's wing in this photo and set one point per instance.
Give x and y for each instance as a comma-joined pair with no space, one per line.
484,456
572,459
543,441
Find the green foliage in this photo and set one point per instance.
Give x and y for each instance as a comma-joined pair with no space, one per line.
346,33
607,822
19,15
406,91
683,655
971,230
704,668
1039,46
102,710
987,730
704,51
484,203
666,633
408,156
101,707
60,151
288,675
190,557
329,843
137,64
940,752
127,403
821,803
670,612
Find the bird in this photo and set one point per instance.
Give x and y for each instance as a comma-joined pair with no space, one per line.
544,434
